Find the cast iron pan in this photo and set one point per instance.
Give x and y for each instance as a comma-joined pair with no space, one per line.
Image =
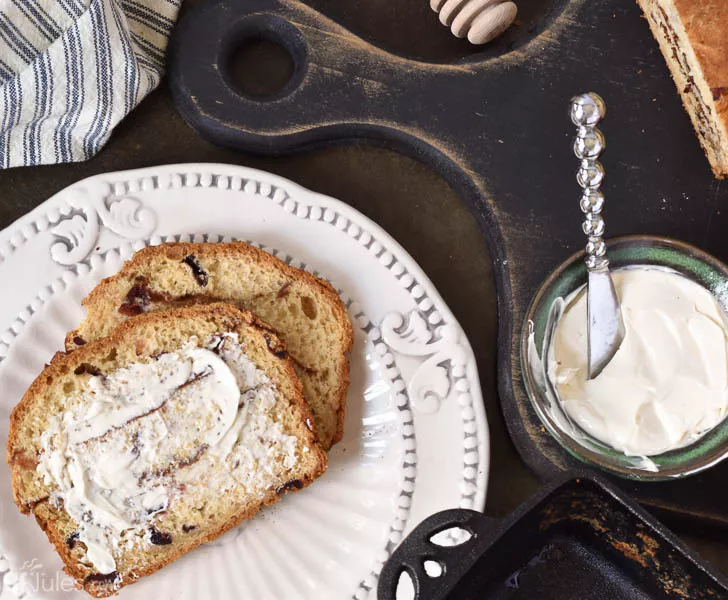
495,125
578,539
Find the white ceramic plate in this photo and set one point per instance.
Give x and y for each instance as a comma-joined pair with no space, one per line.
416,438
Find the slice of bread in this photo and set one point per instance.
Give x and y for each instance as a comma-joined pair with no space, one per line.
693,37
136,448
305,310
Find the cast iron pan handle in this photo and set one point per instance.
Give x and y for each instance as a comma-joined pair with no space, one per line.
341,87
417,548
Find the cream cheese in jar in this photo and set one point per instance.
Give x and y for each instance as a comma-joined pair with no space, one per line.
668,382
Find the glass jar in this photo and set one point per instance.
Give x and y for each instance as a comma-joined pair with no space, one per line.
539,324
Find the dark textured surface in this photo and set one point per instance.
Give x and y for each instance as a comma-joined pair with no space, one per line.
577,539
655,170
493,124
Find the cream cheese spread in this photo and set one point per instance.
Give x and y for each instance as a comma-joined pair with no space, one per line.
193,420
668,382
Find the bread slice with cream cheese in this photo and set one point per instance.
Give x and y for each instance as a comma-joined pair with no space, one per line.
305,310
135,449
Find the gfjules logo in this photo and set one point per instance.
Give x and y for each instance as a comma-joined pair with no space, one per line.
33,577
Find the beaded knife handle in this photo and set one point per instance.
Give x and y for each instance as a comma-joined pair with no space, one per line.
586,112
605,326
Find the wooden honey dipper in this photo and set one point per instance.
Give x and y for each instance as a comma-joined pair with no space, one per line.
479,20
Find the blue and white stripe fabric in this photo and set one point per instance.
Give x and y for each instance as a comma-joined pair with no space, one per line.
70,70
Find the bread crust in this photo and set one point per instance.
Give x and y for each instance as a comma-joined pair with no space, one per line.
227,318
110,292
700,71
706,25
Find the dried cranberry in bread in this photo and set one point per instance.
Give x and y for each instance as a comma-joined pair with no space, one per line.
137,448
305,310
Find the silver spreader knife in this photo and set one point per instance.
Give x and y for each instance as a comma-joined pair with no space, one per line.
605,326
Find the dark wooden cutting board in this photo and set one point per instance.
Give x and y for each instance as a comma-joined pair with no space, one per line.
494,124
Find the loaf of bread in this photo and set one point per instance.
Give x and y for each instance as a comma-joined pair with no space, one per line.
134,449
693,37
305,310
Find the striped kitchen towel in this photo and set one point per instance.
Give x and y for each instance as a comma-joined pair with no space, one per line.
70,70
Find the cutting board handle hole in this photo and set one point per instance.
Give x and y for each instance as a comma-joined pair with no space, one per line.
264,58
